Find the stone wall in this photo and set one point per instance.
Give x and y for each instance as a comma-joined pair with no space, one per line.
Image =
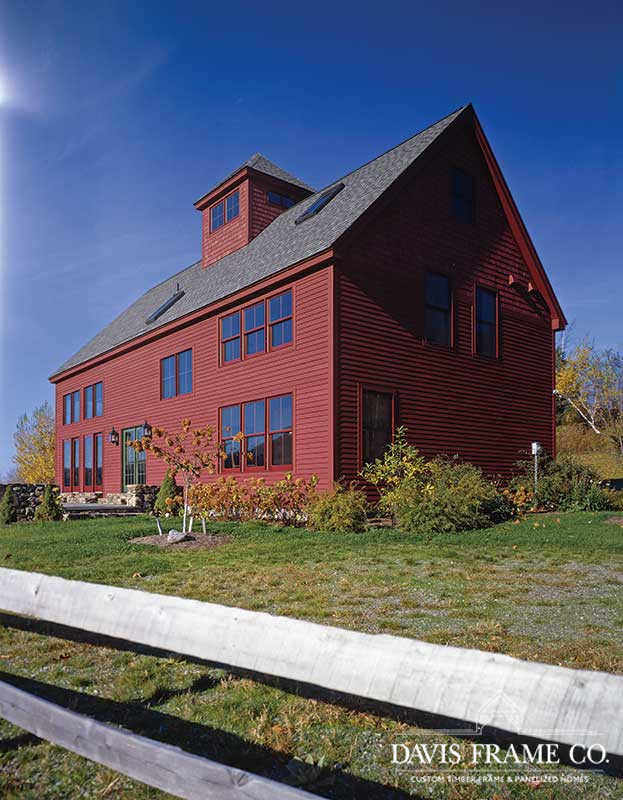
26,498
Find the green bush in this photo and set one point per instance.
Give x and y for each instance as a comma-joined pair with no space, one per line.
7,509
449,498
616,499
565,484
50,508
340,511
169,498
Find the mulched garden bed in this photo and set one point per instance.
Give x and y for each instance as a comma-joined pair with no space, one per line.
196,541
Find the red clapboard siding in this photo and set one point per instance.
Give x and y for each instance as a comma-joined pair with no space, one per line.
132,386
452,401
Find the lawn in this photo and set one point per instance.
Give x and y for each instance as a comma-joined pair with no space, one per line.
547,589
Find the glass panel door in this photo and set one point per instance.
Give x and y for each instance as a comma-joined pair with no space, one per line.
133,464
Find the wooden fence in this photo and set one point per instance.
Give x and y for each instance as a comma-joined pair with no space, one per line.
526,699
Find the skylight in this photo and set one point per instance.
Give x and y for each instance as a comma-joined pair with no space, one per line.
319,204
165,306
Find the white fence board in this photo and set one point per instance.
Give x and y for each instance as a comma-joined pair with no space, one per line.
525,698
157,764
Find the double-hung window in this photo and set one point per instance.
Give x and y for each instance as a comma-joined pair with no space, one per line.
486,321
262,326
176,374
258,434
438,309
226,210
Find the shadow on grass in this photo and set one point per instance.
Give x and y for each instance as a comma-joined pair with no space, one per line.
434,722
201,740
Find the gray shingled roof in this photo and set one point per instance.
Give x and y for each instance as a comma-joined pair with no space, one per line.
263,164
279,245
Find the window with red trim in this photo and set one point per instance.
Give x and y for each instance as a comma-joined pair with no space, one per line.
263,326
88,461
176,374
268,419
486,321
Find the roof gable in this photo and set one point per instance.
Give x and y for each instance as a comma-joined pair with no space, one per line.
280,245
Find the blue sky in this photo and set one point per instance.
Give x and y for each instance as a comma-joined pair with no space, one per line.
115,117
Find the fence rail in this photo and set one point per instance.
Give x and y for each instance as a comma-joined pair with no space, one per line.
526,699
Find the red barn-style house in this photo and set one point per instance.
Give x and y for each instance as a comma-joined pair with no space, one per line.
408,292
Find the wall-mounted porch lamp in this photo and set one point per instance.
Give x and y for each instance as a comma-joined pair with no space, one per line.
113,437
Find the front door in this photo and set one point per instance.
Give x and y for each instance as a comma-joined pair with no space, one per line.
133,468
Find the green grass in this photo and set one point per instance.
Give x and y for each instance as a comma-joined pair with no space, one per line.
546,589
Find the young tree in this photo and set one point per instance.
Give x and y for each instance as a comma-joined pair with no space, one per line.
34,441
591,382
189,452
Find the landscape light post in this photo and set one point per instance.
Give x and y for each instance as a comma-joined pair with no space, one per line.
536,449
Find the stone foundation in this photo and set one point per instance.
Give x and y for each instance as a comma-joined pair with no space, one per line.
138,496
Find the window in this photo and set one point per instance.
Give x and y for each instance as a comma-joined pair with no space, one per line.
165,306
280,199
254,439
94,401
319,203
486,322
99,453
88,461
66,409
67,462
71,407
438,309
280,316
463,195
253,338
217,216
75,413
176,374
230,337
280,428
232,206
224,211
75,478
274,415
377,422
254,329
230,428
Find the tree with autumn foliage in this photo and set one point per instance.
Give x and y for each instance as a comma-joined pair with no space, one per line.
591,382
189,452
34,441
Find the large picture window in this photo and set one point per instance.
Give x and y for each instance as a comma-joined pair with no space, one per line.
486,322
262,326
267,437
377,423
176,374
438,324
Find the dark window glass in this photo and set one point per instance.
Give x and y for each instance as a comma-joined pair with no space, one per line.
280,200
230,427
463,195
99,454
230,337
67,409
76,463
76,407
254,342
254,317
280,312
280,427
377,424
254,416
185,372
486,322
217,216
168,377
438,305
99,399
254,329
88,402
319,203
233,206
88,461
141,471
67,462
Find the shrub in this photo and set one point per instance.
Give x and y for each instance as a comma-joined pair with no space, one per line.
340,511
7,509
50,508
564,485
169,498
616,499
447,498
